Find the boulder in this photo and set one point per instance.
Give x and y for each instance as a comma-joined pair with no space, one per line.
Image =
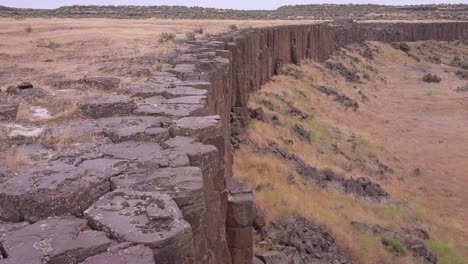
63,239
149,218
8,111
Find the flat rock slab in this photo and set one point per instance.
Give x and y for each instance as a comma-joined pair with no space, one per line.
63,240
175,107
102,83
8,111
147,91
138,128
47,189
146,154
202,127
149,218
107,106
131,255
75,129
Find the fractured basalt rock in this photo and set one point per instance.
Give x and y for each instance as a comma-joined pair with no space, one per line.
147,91
149,218
102,83
124,254
137,128
300,239
8,111
107,106
61,240
47,189
174,107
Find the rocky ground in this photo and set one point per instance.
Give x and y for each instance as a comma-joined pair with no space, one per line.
364,124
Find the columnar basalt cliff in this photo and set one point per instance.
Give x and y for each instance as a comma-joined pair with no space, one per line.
156,184
238,63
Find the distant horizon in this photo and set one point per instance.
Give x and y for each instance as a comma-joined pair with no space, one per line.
220,4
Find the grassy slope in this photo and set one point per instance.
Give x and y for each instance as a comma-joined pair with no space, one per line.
330,123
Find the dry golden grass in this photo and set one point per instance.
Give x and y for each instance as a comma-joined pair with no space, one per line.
399,123
13,160
88,47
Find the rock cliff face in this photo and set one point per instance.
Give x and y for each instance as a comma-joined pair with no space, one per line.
157,181
238,63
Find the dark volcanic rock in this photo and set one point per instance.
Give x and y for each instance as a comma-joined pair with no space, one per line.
349,75
148,218
108,106
25,85
364,187
300,240
137,128
8,111
340,98
301,132
102,83
48,189
175,107
124,254
59,240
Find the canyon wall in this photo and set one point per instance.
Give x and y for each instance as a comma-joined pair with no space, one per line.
238,63
151,179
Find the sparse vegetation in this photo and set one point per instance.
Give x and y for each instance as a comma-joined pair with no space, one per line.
401,46
459,62
462,89
198,31
13,161
190,36
28,29
431,78
233,27
166,36
394,246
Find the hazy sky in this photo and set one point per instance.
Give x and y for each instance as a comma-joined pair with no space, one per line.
236,4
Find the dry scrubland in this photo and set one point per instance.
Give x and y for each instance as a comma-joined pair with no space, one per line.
408,135
53,53
40,50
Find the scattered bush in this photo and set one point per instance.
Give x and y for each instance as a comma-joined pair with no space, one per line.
28,29
462,74
394,246
198,31
401,46
458,62
190,36
431,78
233,27
436,59
165,37
461,89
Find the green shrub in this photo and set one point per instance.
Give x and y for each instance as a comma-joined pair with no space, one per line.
165,37
431,78
394,246
28,29
190,36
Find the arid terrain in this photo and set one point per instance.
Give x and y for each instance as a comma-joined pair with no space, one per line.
289,12
377,119
121,126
